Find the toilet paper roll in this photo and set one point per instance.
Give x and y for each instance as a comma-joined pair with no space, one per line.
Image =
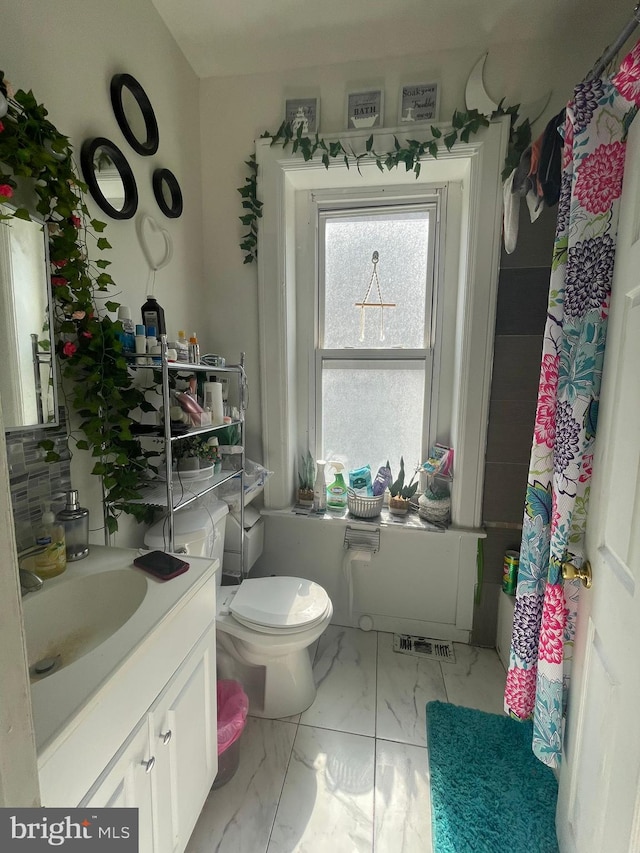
353,555
213,400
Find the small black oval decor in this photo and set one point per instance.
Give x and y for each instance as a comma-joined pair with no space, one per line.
150,144
164,178
87,161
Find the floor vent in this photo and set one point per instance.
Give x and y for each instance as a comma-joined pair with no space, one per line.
424,647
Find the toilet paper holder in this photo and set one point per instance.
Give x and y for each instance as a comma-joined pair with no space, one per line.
365,540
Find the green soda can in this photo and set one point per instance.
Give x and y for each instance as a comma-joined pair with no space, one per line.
510,572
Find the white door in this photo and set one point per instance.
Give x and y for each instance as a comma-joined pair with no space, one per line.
599,797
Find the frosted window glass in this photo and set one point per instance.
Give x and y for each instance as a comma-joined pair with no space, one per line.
401,240
371,415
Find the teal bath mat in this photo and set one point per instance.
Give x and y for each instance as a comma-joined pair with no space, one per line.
489,793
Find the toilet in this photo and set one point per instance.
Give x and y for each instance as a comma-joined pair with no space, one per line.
264,626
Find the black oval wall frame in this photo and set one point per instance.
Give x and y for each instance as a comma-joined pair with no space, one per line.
163,178
87,161
150,144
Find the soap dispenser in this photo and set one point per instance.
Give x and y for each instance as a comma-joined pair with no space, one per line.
51,559
337,491
75,520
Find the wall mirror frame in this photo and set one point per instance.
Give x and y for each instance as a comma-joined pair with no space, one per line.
109,177
168,193
28,380
125,90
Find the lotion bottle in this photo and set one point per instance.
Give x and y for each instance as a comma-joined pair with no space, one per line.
337,491
75,520
52,560
320,488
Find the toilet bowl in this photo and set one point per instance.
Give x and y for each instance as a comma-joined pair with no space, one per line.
265,627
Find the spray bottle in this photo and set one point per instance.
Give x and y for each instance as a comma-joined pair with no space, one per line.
337,491
320,488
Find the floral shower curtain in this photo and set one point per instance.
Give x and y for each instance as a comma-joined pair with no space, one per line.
597,122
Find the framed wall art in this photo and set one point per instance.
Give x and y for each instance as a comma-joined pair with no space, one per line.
418,102
365,109
303,112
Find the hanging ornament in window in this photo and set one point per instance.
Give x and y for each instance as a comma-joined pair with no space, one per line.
380,305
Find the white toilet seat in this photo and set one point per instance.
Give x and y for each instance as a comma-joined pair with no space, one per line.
279,605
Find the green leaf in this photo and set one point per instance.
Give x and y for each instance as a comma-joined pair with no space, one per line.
22,213
98,226
436,132
111,306
103,243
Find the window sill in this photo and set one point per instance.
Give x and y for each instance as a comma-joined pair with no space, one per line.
386,519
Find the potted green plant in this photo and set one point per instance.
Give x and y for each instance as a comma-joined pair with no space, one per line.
306,479
401,494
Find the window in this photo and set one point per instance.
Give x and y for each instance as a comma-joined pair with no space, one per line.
466,245
375,330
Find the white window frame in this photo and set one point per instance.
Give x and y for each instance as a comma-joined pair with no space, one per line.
325,205
476,168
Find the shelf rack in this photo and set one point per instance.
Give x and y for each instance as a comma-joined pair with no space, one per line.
162,492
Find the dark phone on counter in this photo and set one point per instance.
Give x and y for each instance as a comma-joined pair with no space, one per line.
161,565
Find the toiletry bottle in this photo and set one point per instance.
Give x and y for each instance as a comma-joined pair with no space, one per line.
140,341
153,315
182,346
75,520
320,488
128,330
337,491
194,349
52,560
152,342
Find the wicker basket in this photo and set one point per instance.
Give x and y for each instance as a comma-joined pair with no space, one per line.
364,507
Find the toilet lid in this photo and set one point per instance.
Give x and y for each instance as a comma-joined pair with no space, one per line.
278,602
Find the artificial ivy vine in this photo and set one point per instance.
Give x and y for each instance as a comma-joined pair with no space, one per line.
98,384
463,126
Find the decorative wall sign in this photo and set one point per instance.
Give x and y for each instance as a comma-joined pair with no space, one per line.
303,112
418,102
364,109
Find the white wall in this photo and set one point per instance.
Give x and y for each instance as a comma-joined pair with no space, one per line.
236,110
67,53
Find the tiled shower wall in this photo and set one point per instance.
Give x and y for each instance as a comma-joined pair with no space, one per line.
34,482
523,291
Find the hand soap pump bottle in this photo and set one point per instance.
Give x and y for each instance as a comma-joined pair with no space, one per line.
75,520
320,488
51,560
337,491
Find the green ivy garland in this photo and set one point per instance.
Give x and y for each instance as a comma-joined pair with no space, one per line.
463,126
87,345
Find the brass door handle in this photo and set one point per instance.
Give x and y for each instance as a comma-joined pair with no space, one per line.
583,573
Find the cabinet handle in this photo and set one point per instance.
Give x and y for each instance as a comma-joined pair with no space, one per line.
166,737
148,765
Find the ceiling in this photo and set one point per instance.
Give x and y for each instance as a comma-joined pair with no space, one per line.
232,37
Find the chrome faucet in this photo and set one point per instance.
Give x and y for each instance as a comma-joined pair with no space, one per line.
29,581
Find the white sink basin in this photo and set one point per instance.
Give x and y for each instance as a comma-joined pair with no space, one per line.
65,621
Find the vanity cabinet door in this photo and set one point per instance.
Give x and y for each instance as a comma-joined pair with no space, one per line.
184,741
126,783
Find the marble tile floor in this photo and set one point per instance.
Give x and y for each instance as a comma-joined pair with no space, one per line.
350,773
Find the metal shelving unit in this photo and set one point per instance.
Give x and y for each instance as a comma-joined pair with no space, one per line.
162,493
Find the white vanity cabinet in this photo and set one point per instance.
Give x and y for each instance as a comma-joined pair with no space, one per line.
166,766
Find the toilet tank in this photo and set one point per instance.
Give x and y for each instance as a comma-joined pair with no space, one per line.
197,530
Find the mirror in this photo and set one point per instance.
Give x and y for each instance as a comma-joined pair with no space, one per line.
135,114
167,192
28,384
109,177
